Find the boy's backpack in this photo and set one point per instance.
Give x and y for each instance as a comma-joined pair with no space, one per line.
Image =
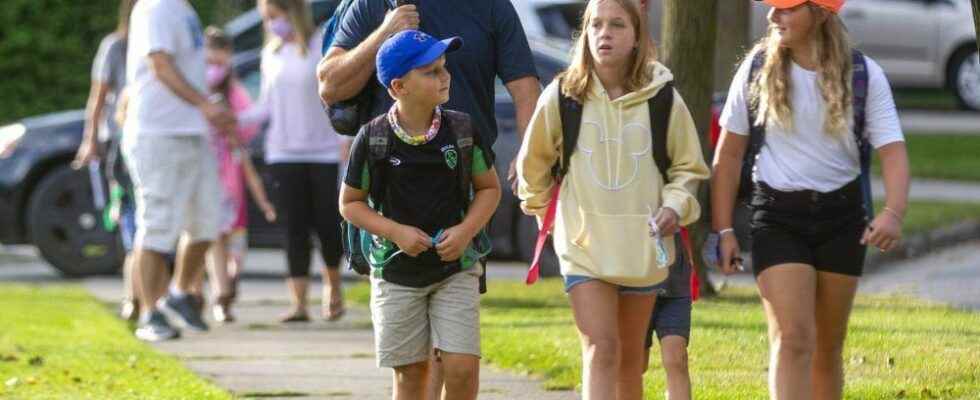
358,243
570,110
757,132
347,116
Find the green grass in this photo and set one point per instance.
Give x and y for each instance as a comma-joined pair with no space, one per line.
896,348
953,157
57,342
926,99
923,216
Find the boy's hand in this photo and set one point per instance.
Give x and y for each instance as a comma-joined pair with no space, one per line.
453,243
413,241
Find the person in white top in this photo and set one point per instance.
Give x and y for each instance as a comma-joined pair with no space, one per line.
302,150
809,223
174,171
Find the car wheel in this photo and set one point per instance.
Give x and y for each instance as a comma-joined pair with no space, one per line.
527,237
67,230
966,79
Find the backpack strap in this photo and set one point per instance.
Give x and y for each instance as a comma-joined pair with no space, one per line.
757,131
859,88
570,111
379,149
661,108
461,125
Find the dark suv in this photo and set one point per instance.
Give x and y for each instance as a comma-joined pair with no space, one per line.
46,203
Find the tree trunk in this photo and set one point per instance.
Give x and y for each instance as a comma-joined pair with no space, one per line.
732,41
688,36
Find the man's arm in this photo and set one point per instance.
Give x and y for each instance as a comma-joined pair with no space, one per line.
343,73
525,92
164,69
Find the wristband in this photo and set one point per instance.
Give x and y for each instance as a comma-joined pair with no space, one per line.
726,230
893,213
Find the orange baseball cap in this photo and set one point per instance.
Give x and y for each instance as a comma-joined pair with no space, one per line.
832,5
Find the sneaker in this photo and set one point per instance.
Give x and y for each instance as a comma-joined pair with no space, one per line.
186,311
156,329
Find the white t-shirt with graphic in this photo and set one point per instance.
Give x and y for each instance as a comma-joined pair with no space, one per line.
172,27
808,158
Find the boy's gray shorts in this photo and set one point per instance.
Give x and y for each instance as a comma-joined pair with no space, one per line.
409,322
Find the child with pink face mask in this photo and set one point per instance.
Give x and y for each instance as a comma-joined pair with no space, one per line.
235,171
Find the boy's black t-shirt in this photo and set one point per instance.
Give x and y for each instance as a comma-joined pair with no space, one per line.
422,190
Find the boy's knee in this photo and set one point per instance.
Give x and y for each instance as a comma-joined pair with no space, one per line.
675,358
412,372
460,369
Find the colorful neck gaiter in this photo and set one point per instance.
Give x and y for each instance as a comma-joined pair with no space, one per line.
415,140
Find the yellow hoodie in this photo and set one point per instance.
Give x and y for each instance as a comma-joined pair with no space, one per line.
613,184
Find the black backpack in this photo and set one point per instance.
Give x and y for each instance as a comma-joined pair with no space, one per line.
380,145
757,132
660,109
349,115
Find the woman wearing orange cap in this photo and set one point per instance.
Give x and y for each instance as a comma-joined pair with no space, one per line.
803,113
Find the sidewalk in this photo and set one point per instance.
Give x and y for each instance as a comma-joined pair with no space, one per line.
931,189
940,122
258,357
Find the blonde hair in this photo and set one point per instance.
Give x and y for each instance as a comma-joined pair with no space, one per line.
770,92
576,81
299,15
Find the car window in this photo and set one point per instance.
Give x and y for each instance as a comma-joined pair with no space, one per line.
561,20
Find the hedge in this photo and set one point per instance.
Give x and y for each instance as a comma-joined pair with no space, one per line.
47,46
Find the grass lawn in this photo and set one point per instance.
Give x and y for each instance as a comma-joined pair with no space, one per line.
924,216
926,99
60,343
897,347
954,157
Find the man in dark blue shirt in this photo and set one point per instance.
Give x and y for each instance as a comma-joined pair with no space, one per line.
495,46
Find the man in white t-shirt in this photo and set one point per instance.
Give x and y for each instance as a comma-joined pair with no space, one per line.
174,170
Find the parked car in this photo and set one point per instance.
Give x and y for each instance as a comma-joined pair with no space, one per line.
919,43
46,203
558,19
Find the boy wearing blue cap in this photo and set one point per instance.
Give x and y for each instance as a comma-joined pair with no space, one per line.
421,183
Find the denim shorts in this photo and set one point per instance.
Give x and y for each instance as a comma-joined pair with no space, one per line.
573,280
671,317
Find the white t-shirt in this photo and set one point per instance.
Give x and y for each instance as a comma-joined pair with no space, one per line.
172,27
808,158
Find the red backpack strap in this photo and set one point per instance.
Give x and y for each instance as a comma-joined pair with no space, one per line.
534,272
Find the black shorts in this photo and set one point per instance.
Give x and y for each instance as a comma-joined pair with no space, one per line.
671,317
807,227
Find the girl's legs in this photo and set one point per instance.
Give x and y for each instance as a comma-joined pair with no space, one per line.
634,318
835,297
788,295
595,308
326,216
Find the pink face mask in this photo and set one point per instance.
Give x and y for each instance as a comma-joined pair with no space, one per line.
281,27
216,74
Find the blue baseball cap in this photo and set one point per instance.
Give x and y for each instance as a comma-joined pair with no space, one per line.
408,50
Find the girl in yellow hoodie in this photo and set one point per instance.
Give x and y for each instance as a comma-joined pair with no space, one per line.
612,189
